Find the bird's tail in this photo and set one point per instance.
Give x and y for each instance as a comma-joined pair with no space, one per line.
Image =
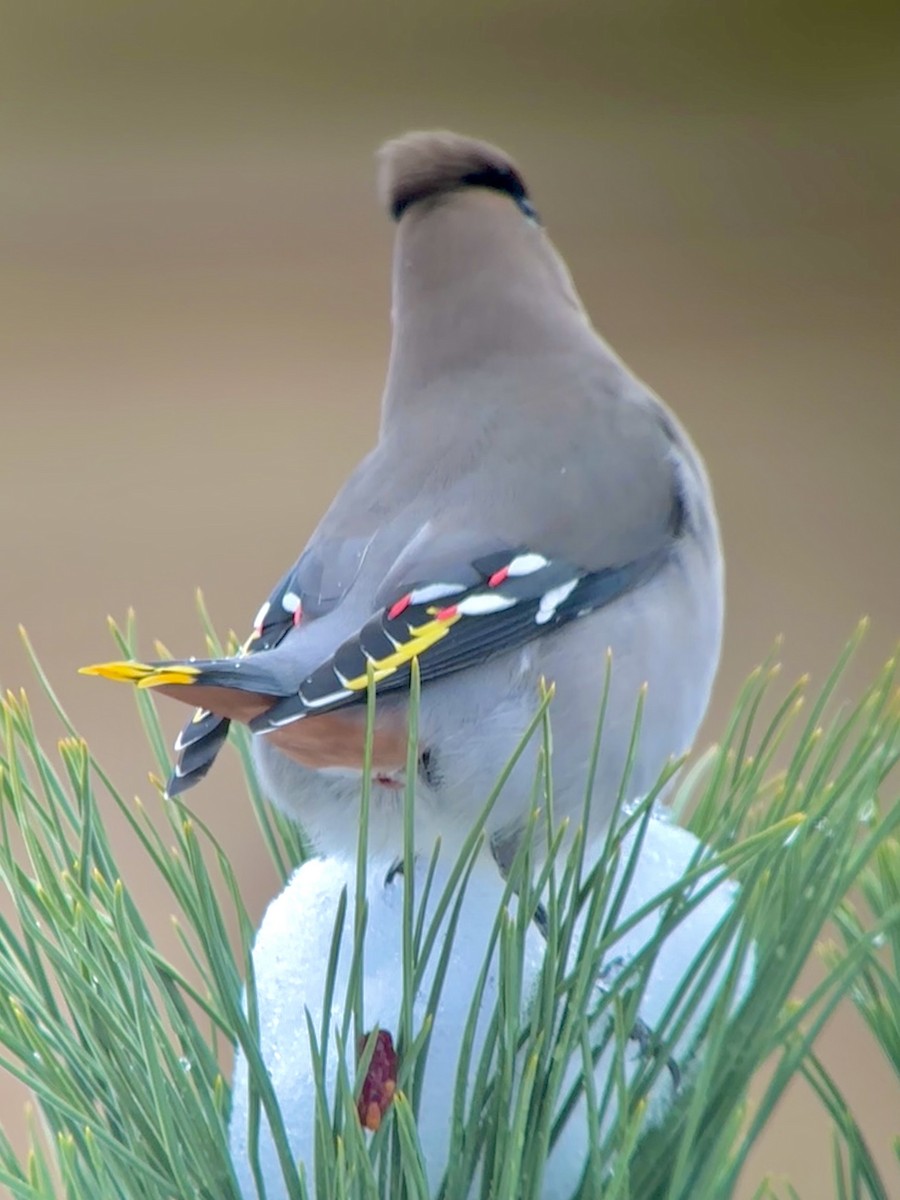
221,689
238,673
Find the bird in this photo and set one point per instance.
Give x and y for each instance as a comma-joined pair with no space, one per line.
530,514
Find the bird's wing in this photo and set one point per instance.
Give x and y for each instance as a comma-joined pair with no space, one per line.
456,620
468,585
448,597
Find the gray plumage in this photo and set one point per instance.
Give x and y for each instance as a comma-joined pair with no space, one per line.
508,425
507,421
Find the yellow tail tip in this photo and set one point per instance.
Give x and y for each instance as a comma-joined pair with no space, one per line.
143,675
168,675
121,672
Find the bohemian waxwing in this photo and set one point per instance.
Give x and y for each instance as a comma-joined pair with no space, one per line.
529,506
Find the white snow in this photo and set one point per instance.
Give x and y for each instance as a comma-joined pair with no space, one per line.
665,856
290,954
292,949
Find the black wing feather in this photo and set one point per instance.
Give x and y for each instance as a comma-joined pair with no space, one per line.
539,601
205,734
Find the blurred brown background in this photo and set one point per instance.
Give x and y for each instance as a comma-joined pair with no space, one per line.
194,279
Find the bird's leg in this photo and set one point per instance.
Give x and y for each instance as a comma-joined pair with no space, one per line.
395,869
641,1033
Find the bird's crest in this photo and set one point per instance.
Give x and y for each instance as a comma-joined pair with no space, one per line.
419,165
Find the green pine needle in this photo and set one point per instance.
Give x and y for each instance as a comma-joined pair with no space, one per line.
122,1047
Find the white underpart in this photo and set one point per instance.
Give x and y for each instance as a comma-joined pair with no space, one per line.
487,602
290,602
526,564
261,615
550,601
435,591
